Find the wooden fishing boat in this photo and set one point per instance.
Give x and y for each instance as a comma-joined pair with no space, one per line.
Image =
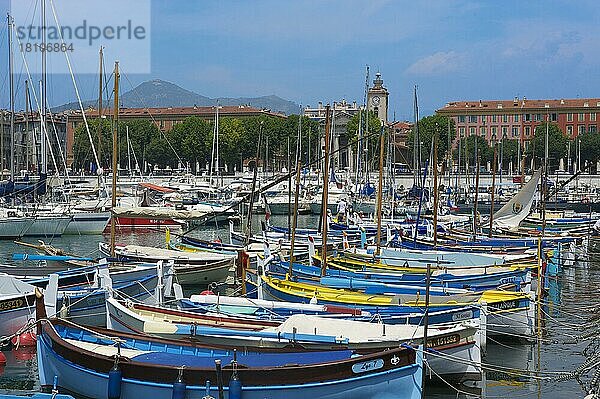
144,367
492,279
17,304
509,313
190,268
304,331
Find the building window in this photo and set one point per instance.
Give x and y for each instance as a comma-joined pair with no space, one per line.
527,146
580,129
554,117
592,117
538,117
482,131
581,117
527,131
569,117
504,131
471,131
494,131
516,117
472,118
527,117
505,118
515,131
462,132
570,130
494,118
593,128
461,119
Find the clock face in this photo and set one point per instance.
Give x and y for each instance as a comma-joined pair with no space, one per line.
376,100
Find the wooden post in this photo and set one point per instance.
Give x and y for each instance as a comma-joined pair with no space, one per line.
325,223
295,217
380,188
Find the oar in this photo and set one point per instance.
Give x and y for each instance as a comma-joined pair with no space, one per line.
36,257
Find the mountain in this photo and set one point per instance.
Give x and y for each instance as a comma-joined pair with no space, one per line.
159,93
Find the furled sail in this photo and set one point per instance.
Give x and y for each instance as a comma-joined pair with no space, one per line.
517,209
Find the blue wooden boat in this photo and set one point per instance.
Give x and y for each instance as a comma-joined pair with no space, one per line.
100,363
477,282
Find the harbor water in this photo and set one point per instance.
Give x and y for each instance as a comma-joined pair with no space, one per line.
508,362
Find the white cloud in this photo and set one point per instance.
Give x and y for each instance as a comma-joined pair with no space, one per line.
438,63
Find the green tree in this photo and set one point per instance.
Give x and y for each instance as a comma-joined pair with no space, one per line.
83,156
427,127
590,147
486,152
557,144
510,152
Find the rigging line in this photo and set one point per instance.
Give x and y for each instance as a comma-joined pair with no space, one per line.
154,121
87,127
60,151
275,182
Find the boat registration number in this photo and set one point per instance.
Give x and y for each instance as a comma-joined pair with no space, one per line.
12,304
460,316
505,305
442,341
364,367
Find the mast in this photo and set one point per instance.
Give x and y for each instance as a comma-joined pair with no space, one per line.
545,174
251,205
296,193
436,194
114,161
27,124
380,188
325,223
289,201
416,143
99,127
128,148
477,163
12,98
43,169
493,187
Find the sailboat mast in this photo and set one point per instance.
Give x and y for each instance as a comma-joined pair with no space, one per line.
493,188
545,174
43,169
436,194
27,125
99,128
251,205
477,163
12,97
325,222
114,161
380,188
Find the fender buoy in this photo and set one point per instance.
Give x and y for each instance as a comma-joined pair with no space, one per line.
25,339
207,292
2,359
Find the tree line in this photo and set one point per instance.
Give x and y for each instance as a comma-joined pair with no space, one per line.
189,144
507,149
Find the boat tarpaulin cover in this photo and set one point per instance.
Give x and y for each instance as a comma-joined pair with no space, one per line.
156,212
156,187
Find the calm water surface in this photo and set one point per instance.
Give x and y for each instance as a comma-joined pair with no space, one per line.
560,351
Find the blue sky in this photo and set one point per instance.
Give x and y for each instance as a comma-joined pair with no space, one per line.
310,51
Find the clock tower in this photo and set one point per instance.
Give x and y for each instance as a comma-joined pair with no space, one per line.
377,99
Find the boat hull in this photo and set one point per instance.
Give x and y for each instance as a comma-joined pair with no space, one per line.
48,226
88,223
14,227
82,381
